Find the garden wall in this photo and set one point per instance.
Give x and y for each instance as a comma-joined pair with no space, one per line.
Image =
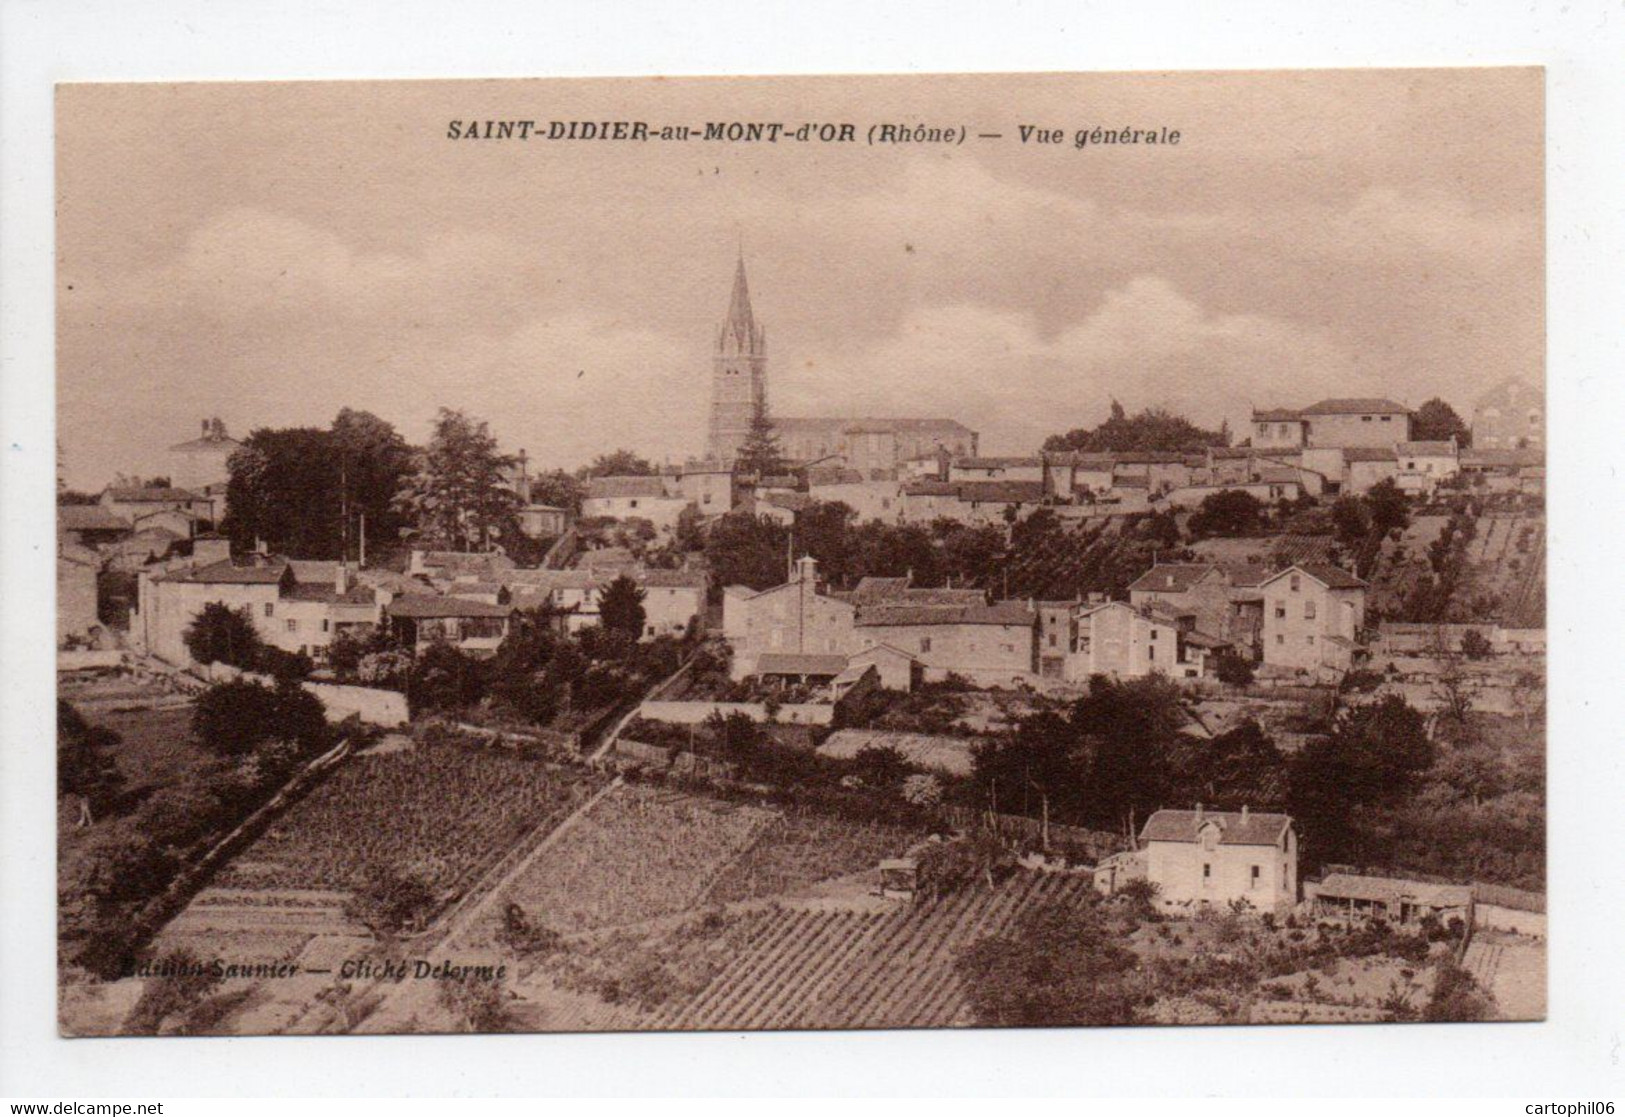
1494,917
88,660
692,713
386,708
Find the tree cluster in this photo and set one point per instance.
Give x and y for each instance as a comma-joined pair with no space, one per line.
1153,429
305,491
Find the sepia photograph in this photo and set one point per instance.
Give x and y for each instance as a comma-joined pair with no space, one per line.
929,551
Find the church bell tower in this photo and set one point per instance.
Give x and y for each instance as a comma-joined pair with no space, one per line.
738,374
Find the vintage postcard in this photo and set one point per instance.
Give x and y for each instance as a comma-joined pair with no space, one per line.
801,553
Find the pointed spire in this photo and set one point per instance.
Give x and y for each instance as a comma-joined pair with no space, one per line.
741,323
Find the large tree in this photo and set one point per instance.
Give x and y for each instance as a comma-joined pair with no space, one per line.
746,550
620,607
760,455
459,497
374,461
1227,513
1436,420
221,634
304,491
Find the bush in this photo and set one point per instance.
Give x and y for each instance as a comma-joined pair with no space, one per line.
1234,670
390,901
183,981
231,718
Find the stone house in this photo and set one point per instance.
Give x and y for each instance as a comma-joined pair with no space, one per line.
147,506
1424,465
1221,599
1217,857
992,645
627,498
1128,641
1313,615
996,469
1333,423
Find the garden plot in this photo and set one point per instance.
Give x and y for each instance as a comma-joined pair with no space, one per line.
638,853
800,849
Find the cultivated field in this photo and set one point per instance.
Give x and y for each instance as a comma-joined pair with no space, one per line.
444,810
794,851
639,853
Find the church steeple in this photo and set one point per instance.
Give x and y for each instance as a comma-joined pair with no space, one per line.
738,372
740,334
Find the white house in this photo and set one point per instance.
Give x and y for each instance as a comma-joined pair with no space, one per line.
1216,857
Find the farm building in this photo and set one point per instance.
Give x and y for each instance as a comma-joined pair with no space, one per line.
1346,896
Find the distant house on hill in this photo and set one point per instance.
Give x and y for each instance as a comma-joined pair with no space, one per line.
1333,423
1510,416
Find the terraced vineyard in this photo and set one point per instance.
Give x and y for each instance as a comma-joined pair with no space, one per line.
444,809
830,967
639,853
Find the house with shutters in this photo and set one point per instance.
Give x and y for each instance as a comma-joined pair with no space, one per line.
1217,857
1333,423
1313,615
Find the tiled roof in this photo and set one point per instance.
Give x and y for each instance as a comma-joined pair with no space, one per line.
224,442
833,475
89,517
426,606
1332,577
226,572
1436,448
671,579
873,590
997,463
1346,886
787,663
75,553
1254,828
1001,613
599,488
931,488
1171,577
1369,454
1490,457
150,494
1276,415
1002,492
1359,405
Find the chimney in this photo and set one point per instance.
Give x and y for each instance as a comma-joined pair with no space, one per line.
1244,813
341,579
1198,816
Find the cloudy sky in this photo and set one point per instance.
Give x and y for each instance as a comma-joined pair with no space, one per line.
270,253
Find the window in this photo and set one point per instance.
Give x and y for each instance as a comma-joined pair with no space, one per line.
293,626
1052,639
1297,583
268,607
1280,611
1207,872
1280,639
1365,418
633,502
325,625
1310,640
1151,651
1308,610
1153,634
1387,418
925,643
1253,883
